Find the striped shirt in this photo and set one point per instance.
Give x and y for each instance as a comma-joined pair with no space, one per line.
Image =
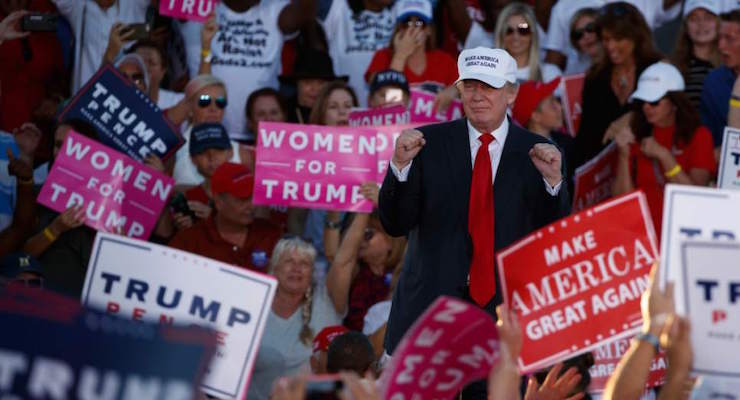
697,71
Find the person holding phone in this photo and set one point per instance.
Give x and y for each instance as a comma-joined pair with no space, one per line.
32,67
92,22
387,88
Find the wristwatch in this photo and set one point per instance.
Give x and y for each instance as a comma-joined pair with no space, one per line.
649,338
206,56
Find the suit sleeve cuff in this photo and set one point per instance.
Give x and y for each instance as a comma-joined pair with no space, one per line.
553,190
403,174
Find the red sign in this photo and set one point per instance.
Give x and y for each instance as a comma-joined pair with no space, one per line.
572,94
451,344
594,179
576,284
606,359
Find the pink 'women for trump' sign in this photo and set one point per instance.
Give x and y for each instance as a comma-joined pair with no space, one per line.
314,166
116,192
421,107
383,116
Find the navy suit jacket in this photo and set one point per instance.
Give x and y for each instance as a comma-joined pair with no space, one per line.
431,208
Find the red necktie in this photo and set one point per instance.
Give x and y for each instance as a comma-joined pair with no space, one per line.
480,225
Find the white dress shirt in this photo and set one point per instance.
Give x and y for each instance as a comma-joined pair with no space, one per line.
495,149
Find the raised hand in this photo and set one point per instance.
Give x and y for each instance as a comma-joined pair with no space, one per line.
548,160
408,146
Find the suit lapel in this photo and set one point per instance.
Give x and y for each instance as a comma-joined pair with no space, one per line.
458,155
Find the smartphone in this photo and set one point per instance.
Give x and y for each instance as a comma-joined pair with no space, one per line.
141,31
179,204
323,387
39,23
394,95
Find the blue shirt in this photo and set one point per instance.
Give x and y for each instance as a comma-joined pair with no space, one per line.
715,101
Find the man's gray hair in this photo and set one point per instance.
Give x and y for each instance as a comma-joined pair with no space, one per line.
293,244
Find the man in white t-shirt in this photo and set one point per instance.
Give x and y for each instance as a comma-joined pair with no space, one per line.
91,22
557,43
245,51
354,37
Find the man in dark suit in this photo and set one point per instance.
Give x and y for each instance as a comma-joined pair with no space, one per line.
441,192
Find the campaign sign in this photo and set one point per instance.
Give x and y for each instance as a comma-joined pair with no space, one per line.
572,105
84,354
583,281
606,359
694,213
7,181
124,117
117,193
594,179
421,106
385,145
194,10
314,166
452,343
392,115
145,281
711,299
729,162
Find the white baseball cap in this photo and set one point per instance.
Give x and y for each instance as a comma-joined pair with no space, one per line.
421,9
657,80
493,67
710,5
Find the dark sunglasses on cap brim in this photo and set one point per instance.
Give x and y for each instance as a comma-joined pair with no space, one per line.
205,101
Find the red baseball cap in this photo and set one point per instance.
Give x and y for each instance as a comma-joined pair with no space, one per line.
324,338
531,93
232,178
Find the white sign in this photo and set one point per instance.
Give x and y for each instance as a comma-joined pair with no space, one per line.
145,281
729,163
711,278
694,213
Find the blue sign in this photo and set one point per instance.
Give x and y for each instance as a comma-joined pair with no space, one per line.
53,352
126,118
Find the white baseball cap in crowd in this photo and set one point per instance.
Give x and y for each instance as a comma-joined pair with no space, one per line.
710,5
493,67
421,9
657,80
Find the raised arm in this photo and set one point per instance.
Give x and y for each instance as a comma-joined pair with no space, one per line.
343,267
460,21
628,380
399,197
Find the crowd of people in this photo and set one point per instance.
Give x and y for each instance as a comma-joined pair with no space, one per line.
312,62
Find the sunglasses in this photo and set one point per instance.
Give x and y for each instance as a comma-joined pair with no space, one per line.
205,101
368,234
522,29
578,33
136,78
412,23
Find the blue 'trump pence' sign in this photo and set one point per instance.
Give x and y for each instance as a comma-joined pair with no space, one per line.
125,118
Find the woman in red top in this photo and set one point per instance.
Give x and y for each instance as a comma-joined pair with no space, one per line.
665,142
412,50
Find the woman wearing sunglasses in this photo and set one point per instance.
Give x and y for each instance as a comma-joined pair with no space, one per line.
413,52
584,40
206,102
665,142
696,52
516,32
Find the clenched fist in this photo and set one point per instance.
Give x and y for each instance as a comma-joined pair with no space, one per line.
548,160
408,146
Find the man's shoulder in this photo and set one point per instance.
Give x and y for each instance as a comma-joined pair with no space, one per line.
719,75
191,237
442,127
265,226
523,139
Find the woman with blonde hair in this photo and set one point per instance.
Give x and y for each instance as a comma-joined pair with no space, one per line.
516,32
300,309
